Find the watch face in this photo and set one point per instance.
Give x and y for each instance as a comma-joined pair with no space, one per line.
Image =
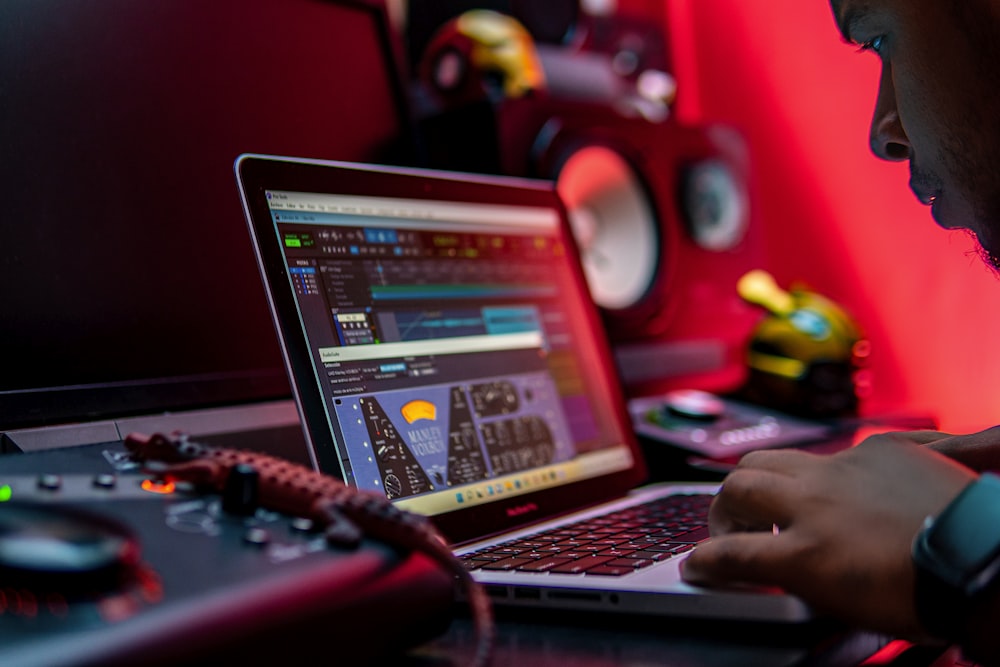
614,224
715,205
955,546
957,557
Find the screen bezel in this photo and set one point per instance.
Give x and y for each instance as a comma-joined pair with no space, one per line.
258,173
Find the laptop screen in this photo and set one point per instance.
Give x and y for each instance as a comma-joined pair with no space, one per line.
446,335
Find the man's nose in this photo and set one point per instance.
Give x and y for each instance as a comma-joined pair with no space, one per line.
887,138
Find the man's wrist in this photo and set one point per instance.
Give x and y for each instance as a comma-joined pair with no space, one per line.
957,559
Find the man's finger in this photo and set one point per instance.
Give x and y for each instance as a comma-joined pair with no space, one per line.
784,461
979,451
753,499
926,437
742,558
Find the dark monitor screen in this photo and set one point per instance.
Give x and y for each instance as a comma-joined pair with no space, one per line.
127,278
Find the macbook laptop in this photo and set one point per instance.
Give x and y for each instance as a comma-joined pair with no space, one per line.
443,350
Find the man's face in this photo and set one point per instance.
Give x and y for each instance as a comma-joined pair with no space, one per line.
938,103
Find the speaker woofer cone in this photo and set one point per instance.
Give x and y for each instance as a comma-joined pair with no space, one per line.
715,204
614,223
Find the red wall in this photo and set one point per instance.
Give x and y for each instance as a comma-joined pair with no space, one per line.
836,218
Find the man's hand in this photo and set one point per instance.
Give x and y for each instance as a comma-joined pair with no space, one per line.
979,451
844,525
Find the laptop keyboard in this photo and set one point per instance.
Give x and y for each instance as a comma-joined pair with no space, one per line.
611,545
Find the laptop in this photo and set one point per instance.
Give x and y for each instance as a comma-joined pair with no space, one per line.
443,350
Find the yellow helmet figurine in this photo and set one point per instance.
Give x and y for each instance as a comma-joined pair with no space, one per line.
482,52
807,355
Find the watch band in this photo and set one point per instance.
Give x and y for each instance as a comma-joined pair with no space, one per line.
957,558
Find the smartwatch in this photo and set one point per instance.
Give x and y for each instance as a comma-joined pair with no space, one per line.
957,558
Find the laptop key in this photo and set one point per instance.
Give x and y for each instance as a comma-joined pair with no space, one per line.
537,545
509,551
543,565
671,547
634,563
649,555
506,564
694,536
573,543
674,549
485,557
581,565
639,545
617,553
608,542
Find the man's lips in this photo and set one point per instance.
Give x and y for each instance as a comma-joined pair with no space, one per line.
925,195
930,197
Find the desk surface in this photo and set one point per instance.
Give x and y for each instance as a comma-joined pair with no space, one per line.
599,641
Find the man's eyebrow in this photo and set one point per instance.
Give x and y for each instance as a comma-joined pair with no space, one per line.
848,18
